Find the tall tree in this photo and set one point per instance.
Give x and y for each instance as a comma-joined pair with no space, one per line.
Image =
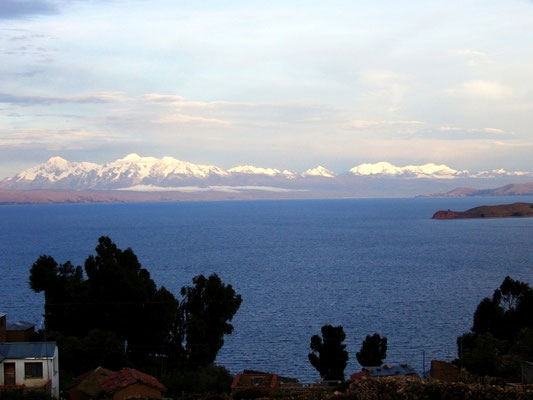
373,351
329,355
502,325
119,297
207,308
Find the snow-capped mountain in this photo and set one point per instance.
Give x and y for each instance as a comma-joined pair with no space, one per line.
54,170
167,172
419,171
319,171
250,169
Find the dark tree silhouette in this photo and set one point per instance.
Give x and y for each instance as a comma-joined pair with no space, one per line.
118,298
502,326
207,307
329,356
373,351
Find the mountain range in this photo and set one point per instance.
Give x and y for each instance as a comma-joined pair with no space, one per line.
136,178
150,173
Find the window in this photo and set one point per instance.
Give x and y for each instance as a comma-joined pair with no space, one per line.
33,370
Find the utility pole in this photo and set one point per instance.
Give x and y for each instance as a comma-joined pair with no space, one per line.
424,363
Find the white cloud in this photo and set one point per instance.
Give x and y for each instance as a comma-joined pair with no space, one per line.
365,124
480,89
494,130
474,57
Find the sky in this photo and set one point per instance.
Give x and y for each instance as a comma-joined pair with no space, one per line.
283,84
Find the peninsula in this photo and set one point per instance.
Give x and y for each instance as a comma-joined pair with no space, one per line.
498,211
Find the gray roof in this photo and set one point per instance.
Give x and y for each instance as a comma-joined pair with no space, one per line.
2,314
27,350
390,370
19,326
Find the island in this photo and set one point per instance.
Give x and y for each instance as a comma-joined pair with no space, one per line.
498,211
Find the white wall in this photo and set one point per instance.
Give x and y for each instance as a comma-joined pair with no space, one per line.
50,372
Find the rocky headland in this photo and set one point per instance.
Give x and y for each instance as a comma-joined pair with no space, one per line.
497,211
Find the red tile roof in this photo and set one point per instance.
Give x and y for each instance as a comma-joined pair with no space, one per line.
126,377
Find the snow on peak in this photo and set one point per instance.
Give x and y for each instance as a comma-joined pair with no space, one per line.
380,168
250,169
131,157
500,172
420,171
55,169
319,171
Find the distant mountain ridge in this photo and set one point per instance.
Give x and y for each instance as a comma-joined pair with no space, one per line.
515,189
150,172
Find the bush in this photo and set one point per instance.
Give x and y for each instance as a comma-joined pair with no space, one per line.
20,395
212,379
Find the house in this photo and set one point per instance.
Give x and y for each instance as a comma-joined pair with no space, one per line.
87,386
30,365
402,369
527,372
444,371
269,383
128,383
3,328
20,331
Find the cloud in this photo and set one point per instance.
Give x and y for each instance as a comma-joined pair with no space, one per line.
481,90
496,131
44,138
472,131
18,9
364,124
474,57
188,119
102,97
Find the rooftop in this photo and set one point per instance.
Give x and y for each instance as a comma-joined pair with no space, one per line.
27,350
126,377
19,326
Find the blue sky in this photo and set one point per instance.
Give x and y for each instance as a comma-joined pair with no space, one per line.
284,84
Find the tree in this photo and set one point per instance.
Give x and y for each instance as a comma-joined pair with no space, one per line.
501,329
119,299
373,351
328,355
207,307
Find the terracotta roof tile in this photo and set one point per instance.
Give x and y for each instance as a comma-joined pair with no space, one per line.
126,377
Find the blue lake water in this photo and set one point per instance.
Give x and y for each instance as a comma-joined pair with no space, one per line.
372,265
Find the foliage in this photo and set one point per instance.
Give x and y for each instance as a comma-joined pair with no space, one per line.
207,308
373,351
114,315
208,379
18,394
250,393
329,356
502,332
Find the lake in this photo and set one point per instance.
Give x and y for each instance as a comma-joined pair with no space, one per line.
370,265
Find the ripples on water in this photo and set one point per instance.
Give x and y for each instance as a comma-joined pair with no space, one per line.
369,265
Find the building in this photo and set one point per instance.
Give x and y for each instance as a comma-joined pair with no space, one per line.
267,382
87,386
527,372
385,370
128,383
20,331
444,371
30,365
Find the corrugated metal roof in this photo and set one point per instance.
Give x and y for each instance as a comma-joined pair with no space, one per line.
390,370
19,326
27,350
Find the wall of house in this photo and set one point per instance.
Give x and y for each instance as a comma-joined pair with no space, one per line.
137,390
19,336
50,374
3,328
